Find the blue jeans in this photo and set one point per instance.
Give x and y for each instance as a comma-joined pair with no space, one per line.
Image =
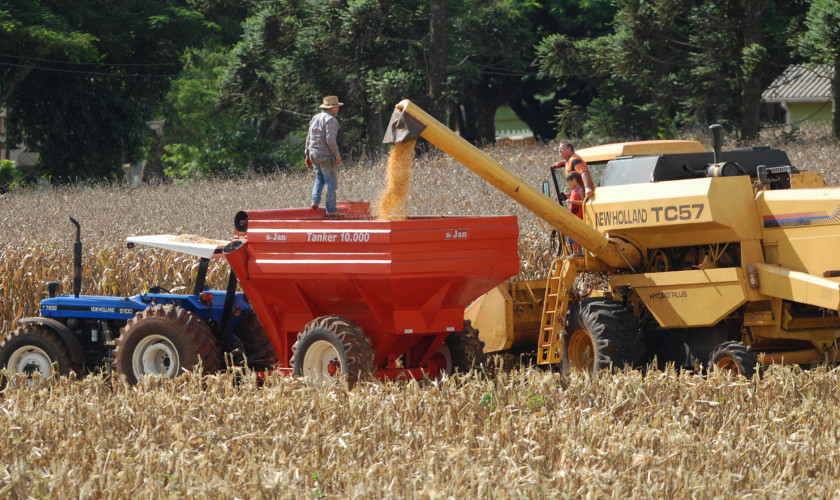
325,174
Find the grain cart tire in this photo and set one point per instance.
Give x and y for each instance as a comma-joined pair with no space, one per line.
599,333
466,349
164,340
733,357
34,348
258,349
331,346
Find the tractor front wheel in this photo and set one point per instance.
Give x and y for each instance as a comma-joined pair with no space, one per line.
164,340
332,346
734,358
34,349
599,333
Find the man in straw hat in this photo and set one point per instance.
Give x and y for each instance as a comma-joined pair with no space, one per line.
322,152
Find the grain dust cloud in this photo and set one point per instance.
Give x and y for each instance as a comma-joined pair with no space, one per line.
392,204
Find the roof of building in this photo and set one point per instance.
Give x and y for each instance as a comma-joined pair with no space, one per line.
801,83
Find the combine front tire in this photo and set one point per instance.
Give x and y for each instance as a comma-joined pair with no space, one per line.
331,346
164,340
733,357
258,349
466,349
34,349
599,333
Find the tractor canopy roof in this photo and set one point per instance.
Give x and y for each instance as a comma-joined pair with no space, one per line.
189,244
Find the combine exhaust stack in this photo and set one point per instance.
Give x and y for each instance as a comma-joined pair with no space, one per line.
409,122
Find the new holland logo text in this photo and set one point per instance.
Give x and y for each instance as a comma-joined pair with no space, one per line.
670,213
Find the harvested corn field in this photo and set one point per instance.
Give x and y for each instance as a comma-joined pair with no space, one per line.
524,433
520,433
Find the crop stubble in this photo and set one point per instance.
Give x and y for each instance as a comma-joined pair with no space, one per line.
523,433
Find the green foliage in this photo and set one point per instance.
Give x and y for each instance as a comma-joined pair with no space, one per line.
89,90
668,65
84,112
203,137
821,40
10,176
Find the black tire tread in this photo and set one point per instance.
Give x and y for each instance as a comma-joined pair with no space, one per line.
258,348
466,349
199,339
25,335
744,357
357,345
612,328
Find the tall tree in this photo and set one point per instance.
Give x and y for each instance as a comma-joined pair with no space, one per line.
92,87
821,43
674,64
437,57
368,52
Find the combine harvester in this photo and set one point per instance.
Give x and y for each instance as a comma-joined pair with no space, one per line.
724,258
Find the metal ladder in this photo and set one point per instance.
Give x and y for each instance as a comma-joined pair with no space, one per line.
561,277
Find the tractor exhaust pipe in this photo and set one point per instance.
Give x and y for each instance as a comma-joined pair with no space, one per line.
77,259
409,122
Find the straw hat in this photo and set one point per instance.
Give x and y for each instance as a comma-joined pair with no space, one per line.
331,101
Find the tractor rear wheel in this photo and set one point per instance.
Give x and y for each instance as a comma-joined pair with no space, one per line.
330,347
34,349
258,349
164,340
599,333
466,349
734,358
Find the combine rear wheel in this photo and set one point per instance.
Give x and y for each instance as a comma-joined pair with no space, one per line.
734,358
164,340
258,349
599,333
467,350
332,346
34,349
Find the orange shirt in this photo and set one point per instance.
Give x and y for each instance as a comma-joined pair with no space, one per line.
576,162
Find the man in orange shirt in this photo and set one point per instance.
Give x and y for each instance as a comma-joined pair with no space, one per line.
575,163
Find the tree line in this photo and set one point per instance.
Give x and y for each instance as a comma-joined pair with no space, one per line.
234,84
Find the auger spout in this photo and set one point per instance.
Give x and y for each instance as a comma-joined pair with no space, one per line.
409,122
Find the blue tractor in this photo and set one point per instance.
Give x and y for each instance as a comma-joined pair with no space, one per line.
154,333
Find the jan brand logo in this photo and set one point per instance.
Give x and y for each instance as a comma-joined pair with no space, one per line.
456,234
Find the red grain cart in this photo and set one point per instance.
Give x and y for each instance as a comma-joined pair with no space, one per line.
360,296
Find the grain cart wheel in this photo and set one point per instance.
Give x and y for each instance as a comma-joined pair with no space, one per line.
164,340
258,349
443,357
600,332
34,349
331,346
467,350
734,358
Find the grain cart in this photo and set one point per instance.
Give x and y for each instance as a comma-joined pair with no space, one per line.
723,257
364,297
151,333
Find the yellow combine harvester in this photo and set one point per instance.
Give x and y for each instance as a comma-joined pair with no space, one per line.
724,258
